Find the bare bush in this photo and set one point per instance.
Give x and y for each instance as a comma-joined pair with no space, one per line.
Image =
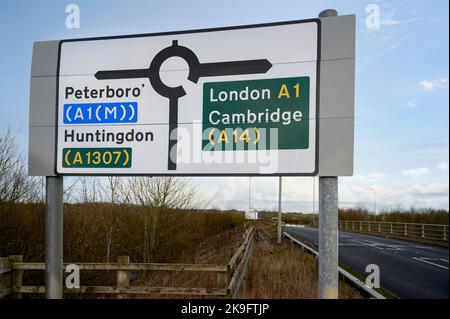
15,184
111,191
155,195
165,192
88,190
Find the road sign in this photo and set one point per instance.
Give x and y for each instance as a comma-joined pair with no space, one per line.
186,103
251,214
227,101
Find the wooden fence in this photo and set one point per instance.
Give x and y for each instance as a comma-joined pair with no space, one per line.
228,282
228,240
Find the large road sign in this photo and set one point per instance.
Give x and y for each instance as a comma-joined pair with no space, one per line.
227,101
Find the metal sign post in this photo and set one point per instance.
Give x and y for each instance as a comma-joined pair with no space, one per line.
54,238
328,238
328,227
280,181
249,193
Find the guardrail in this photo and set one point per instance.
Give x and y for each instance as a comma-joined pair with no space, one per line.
228,282
352,279
433,232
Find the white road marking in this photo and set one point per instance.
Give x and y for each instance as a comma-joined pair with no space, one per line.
367,244
424,260
382,246
378,245
351,245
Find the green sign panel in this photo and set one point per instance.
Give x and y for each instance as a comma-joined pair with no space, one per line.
97,157
242,115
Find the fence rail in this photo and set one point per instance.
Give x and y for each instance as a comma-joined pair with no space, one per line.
433,232
228,282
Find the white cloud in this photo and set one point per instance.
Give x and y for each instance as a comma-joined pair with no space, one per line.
390,15
370,177
416,172
232,192
420,195
433,189
390,21
443,166
427,85
376,175
412,103
379,41
432,85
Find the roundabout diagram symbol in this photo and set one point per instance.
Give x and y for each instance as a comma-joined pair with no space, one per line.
196,71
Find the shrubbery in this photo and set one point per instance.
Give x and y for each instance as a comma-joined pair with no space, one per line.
86,233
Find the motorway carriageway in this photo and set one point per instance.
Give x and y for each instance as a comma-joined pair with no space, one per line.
407,269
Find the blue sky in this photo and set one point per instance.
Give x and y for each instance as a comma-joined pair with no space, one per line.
402,93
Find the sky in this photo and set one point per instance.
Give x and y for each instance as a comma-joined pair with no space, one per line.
401,102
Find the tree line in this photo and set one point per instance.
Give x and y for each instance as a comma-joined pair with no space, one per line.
151,219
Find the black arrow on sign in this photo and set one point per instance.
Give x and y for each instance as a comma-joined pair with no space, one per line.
196,71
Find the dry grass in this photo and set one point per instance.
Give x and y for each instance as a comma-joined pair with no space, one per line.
275,271
287,272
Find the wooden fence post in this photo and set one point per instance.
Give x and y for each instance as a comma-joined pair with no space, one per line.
122,276
222,280
16,276
5,282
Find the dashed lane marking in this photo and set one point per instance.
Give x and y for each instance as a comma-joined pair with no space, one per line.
427,260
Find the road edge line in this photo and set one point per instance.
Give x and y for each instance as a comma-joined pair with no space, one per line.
355,281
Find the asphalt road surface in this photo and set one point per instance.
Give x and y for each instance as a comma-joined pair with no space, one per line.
407,269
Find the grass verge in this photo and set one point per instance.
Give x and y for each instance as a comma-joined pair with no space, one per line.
285,271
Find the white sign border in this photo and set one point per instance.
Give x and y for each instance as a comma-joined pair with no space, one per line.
317,124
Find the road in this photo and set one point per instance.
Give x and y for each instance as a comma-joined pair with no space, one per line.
407,269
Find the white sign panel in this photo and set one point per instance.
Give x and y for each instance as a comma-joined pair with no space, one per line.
251,214
231,101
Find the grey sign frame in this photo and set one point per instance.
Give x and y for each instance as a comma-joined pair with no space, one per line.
335,100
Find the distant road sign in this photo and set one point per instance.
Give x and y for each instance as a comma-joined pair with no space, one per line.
251,214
